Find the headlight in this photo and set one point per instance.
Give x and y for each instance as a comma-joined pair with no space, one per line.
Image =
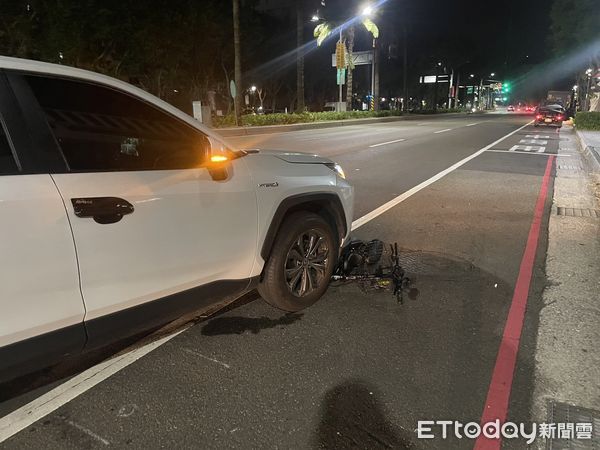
337,169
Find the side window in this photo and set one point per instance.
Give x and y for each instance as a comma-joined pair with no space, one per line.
8,164
101,129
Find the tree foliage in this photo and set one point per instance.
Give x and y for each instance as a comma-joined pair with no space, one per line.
575,23
176,49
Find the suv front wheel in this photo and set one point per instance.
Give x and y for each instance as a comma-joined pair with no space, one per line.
301,262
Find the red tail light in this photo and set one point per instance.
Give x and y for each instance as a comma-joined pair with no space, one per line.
539,116
559,117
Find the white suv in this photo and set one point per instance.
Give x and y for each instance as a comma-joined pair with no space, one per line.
119,213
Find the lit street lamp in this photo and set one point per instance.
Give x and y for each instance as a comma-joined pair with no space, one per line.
367,11
324,29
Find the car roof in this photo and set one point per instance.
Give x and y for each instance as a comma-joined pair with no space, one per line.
38,67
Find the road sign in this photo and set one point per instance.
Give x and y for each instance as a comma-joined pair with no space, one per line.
340,55
232,89
341,77
358,58
427,79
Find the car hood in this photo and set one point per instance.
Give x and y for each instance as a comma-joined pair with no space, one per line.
294,157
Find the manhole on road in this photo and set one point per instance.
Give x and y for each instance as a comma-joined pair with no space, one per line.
586,427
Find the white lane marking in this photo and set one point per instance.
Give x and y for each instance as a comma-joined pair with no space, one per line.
537,136
533,141
527,148
89,432
33,411
522,152
195,353
386,143
399,199
473,124
443,131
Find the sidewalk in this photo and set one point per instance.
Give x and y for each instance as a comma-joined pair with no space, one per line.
590,143
568,344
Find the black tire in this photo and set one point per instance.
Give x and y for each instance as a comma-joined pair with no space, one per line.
294,236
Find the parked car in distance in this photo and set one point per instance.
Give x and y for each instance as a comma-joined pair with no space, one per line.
120,213
549,116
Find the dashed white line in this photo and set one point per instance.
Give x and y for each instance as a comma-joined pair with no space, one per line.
399,199
533,141
528,148
521,152
89,432
473,124
216,361
443,131
386,143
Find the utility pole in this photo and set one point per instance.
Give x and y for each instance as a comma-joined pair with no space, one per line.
375,76
238,62
300,56
450,90
435,86
405,70
457,90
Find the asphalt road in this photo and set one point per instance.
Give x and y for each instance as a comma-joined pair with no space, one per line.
357,370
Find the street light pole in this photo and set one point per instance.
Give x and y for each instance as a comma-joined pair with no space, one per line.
405,70
339,108
450,89
587,89
374,80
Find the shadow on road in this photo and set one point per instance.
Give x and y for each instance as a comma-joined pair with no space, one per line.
239,324
351,417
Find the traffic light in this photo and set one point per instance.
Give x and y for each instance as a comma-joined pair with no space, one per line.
506,87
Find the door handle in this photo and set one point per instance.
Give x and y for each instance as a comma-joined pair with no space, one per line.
104,210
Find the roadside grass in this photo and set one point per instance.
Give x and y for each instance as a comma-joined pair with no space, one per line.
309,117
588,120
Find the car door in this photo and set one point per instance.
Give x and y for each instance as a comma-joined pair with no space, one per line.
156,233
41,309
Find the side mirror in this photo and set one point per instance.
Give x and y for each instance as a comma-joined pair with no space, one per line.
218,160
218,165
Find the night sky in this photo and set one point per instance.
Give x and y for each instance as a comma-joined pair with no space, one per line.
509,38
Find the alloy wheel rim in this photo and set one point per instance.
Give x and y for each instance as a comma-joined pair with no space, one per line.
306,263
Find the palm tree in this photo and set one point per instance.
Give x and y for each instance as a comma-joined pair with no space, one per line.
300,57
350,44
322,32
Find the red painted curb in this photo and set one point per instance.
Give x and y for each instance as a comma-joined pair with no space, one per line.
496,404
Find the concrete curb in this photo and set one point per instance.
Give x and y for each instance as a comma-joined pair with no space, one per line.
590,153
269,129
